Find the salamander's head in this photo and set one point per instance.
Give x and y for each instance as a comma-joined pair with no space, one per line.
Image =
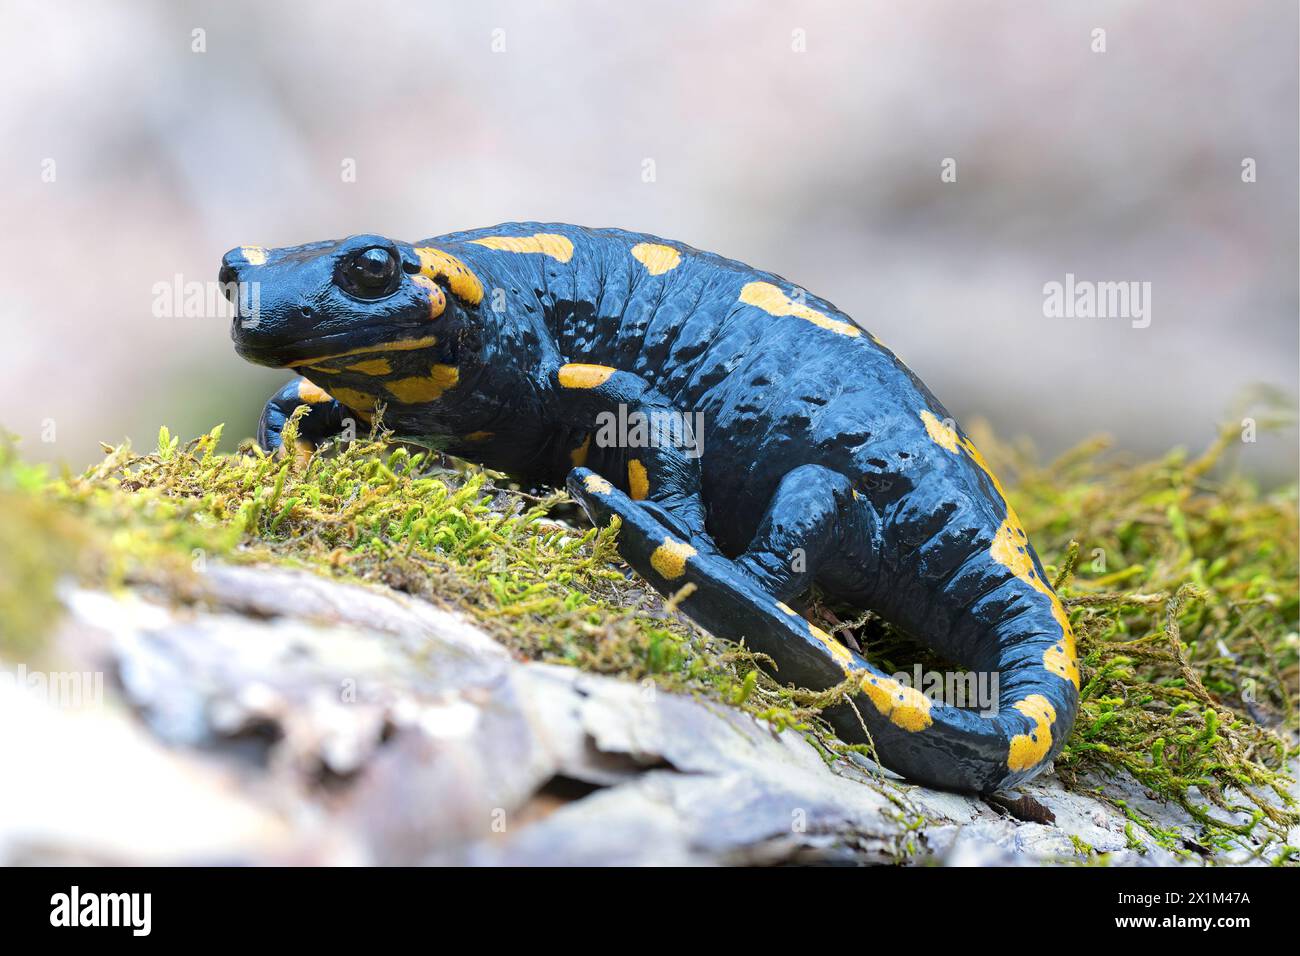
302,303
371,320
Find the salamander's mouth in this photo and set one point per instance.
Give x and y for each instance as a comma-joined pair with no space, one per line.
325,349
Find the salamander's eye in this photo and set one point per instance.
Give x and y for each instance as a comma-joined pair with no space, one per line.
370,274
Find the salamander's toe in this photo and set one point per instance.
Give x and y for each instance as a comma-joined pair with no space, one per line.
592,492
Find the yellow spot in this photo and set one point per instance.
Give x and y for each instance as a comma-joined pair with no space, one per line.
772,300
254,255
311,393
669,559
557,247
579,455
377,366
1010,549
843,656
656,258
425,388
437,301
401,345
358,401
436,264
1028,749
943,435
577,375
597,485
638,483
1060,661
905,706
478,436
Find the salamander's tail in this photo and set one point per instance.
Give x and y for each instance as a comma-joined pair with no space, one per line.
927,741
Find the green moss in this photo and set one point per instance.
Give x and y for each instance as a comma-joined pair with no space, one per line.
377,513
1082,847
1187,671
1182,589
38,545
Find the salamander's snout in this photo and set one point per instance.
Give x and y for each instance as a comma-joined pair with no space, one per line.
271,303
229,274
235,268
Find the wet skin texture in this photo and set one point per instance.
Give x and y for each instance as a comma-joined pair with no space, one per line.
824,459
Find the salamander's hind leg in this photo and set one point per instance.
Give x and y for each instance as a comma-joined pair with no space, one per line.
323,421
808,528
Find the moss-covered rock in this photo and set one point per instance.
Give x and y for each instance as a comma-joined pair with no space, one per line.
1182,588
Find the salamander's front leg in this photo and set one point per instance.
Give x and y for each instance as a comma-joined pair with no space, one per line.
725,599
803,533
639,441
323,421
663,536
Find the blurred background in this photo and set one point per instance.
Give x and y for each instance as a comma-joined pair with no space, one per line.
803,138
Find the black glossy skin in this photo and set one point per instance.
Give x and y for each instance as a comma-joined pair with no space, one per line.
823,457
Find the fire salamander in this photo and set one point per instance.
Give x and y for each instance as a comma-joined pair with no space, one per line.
806,452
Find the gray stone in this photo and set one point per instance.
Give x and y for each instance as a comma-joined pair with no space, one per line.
272,715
